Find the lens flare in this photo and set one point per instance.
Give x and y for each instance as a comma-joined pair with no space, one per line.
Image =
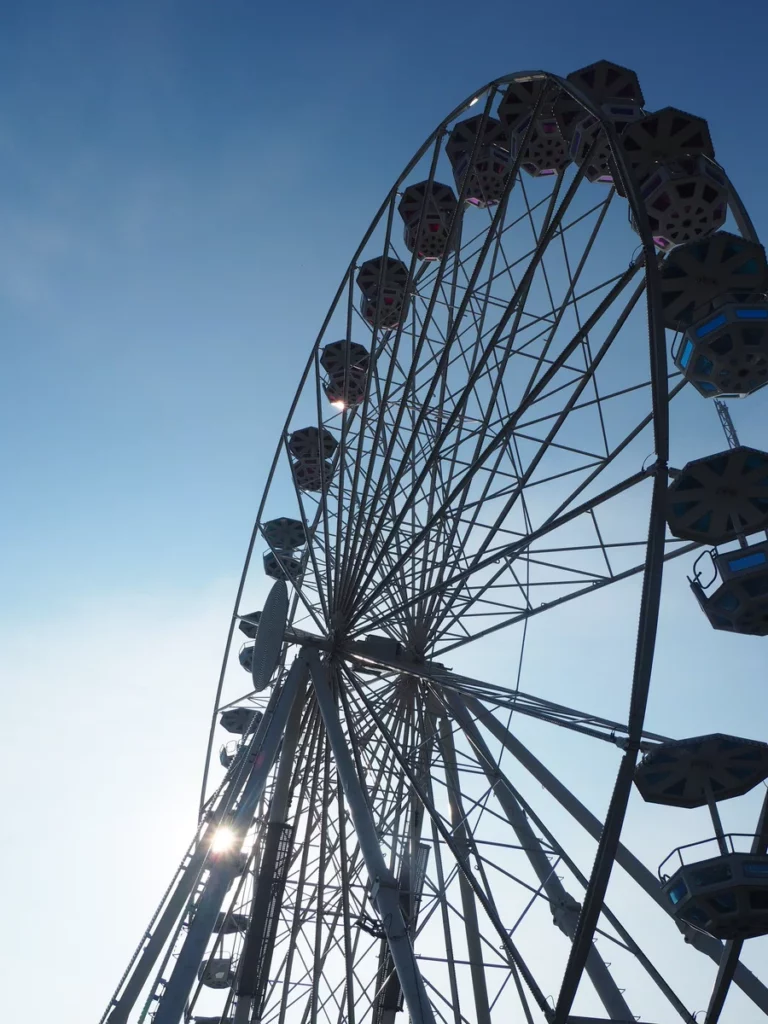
223,840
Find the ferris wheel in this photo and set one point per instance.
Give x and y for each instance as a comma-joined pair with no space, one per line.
480,439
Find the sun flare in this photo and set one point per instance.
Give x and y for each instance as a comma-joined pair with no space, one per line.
223,840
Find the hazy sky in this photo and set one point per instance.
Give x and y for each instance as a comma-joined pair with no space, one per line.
181,187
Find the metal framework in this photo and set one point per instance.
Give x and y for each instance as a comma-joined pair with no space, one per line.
509,456
724,413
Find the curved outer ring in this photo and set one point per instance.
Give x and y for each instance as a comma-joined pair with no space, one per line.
649,609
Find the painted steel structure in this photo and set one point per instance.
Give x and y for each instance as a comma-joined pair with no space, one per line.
447,471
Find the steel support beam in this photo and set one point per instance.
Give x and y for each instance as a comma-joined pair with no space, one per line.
744,978
730,961
517,964
600,1020
250,979
468,906
185,883
564,907
173,999
388,1001
523,703
385,891
622,932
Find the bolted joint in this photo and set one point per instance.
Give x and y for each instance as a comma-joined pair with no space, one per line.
379,883
565,914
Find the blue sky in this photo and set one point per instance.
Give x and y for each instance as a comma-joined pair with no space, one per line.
181,187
